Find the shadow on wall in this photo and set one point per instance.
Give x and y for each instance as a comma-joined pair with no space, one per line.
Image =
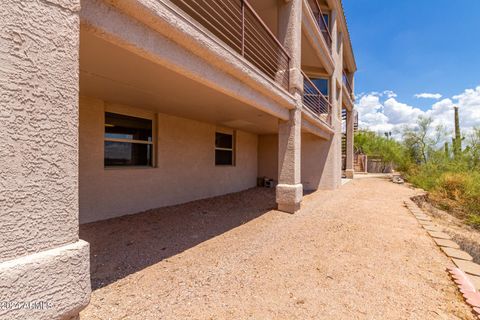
125,245
314,159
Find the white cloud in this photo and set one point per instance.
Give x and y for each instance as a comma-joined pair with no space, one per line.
435,96
399,113
390,94
383,112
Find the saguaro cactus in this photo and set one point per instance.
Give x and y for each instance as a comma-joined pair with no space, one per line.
457,141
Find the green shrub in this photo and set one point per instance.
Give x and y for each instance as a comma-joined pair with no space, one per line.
426,161
459,193
474,220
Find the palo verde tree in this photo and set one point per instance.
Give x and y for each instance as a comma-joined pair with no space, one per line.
419,139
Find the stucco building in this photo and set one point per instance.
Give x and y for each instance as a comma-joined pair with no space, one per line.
111,107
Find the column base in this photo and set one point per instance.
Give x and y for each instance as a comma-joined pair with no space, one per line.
52,284
289,208
349,173
289,197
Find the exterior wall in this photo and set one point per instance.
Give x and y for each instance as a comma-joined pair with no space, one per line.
185,169
268,156
42,259
317,155
328,154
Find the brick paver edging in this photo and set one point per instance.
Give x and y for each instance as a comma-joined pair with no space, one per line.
467,274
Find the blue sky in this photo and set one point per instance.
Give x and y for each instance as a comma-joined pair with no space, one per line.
416,46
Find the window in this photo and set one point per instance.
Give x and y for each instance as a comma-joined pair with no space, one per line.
128,141
323,85
326,18
339,42
224,153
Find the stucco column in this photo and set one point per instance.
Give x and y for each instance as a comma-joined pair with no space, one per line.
290,36
44,267
289,189
349,171
332,149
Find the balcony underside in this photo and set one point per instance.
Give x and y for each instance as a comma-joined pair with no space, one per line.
118,76
315,52
173,42
175,67
347,100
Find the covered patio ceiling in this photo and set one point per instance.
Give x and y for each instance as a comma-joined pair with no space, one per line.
118,76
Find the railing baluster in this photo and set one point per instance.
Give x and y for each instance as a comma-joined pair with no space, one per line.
255,42
243,27
347,83
315,101
322,24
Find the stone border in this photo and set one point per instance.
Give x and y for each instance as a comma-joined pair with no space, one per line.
467,274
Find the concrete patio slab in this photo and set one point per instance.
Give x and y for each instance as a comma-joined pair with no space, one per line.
467,266
446,243
439,235
426,223
433,228
457,254
424,218
475,281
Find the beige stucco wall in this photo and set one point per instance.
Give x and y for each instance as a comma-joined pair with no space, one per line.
316,171
316,153
185,169
268,156
42,260
38,121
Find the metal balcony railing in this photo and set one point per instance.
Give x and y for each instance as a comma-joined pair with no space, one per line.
315,101
323,25
237,24
347,84
355,121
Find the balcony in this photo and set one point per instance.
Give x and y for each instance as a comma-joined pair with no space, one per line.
237,24
322,24
347,84
315,101
348,90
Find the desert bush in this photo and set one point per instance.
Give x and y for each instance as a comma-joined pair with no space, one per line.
389,150
459,192
426,160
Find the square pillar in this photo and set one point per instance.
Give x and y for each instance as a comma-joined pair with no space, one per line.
349,170
43,264
290,36
289,190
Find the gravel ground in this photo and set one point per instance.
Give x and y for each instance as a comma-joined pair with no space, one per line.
354,253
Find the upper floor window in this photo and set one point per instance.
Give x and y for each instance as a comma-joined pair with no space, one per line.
224,149
339,42
326,18
323,84
128,141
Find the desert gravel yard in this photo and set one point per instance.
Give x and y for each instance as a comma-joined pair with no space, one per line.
354,253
